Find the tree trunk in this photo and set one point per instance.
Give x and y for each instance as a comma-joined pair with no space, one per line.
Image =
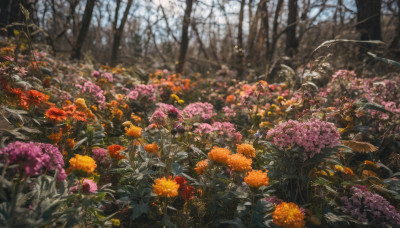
369,19
87,17
275,24
395,42
264,13
239,51
185,37
291,40
118,33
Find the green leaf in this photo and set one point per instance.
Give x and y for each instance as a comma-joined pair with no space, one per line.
78,144
177,169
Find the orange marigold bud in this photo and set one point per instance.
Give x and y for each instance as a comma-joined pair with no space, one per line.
82,164
201,166
288,215
152,148
238,162
246,149
257,178
219,154
165,187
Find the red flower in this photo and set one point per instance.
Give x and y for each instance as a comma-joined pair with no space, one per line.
36,97
115,150
70,109
57,114
181,181
80,116
187,193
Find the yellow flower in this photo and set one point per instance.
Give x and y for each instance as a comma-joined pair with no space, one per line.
288,215
339,168
280,98
165,187
238,162
257,178
201,166
82,163
133,131
181,101
174,97
152,148
246,149
219,154
115,222
80,102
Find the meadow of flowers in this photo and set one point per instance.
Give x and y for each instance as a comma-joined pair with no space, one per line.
87,145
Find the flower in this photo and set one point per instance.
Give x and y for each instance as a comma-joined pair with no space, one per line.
99,154
80,116
312,136
165,187
201,166
238,162
203,110
70,143
181,181
180,101
115,150
159,118
88,186
187,192
230,99
133,131
115,222
218,154
56,114
152,148
246,149
36,97
257,178
81,163
288,215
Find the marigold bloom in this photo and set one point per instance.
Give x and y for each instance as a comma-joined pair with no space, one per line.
230,99
80,102
152,148
80,116
219,154
348,171
115,150
55,137
70,143
165,187
238,162
136,118
56,114
201,166
257,178
82,163
133,131
36,97
69,109
366,162
288,215
246,149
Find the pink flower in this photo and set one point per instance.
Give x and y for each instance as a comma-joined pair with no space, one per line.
88,186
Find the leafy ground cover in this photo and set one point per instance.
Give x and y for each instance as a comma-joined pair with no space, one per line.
91,145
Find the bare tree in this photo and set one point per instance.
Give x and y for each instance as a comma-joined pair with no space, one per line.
87,17
369,19
291,39
185,37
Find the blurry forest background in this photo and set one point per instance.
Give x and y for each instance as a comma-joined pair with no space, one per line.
247,39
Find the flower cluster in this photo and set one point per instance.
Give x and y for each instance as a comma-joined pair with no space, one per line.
115,151
99,154
56,114
369,207
201,166
166,112
218,154
246,149
257,178
151,148
203,110
229,112
239,163
133,131
88,186
226,128
185,191
82,164
312,136
165,187
95,90
288,215
34,158
140,92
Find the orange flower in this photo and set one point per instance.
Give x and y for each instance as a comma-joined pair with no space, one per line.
201,166
246,149
152,148
348,171
368,173
219,154
117,113
366,162
70,143
136,118
80,116
238,162
288,215
70,109
36,97
165,187
257,178
56,114
133,131
81,163
55,137
230,99
115,150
